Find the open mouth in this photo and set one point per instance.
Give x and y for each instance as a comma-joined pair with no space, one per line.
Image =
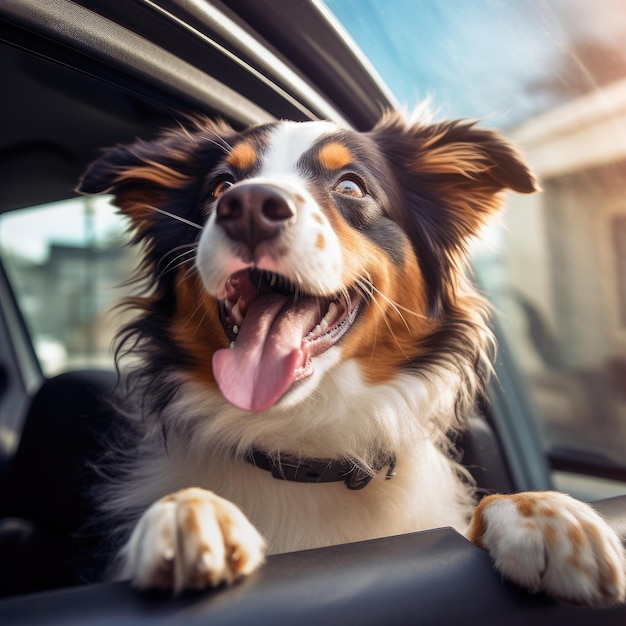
275,329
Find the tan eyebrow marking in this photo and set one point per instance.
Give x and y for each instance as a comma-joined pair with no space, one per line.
334,156
242,156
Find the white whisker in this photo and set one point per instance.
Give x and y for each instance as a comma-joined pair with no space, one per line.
220,143
190,246
199,308
191,269
398,308
224,148
184,130
174,216
179,260
363,284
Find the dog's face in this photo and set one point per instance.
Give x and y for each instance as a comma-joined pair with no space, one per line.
277,252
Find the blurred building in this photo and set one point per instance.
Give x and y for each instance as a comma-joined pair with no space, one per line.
68,300
564,261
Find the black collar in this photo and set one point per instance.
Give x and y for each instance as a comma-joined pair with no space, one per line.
299,470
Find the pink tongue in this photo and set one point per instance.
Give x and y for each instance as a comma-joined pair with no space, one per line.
267,355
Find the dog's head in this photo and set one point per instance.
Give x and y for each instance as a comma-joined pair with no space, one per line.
277,252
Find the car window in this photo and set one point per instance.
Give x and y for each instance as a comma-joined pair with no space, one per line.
552,76
68,264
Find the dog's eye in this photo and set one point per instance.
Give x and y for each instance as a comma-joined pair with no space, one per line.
350,186
222,185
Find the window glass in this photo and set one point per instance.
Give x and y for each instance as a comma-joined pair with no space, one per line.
551,74
68,262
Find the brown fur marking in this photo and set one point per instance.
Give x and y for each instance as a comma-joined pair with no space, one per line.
335,156
243,155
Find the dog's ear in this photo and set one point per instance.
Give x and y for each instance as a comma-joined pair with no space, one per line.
148,174
452,176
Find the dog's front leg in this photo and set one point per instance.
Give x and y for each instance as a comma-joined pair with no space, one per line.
548,541
191,539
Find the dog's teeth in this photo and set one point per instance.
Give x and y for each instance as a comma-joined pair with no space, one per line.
236,314
324,323
235,329
232,344
328,319
273,280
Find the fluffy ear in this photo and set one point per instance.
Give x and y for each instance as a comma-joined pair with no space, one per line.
144,174
452,175
157,184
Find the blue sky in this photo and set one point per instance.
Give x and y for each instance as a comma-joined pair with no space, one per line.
474,58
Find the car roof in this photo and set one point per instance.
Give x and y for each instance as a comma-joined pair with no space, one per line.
164,60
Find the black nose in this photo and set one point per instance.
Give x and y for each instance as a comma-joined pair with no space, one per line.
253,213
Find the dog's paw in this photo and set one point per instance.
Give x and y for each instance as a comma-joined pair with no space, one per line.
547,541
189,540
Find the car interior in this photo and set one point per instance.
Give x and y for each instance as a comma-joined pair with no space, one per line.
80,76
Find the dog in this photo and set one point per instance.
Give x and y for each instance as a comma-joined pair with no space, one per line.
306,346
